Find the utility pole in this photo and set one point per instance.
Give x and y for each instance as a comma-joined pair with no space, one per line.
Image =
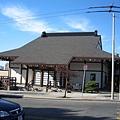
113,53
113,39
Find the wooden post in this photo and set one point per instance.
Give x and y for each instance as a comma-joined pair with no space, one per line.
8,83
65,88
41,81
54,79
21,74
27,76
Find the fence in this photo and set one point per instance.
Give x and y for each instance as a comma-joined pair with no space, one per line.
7,82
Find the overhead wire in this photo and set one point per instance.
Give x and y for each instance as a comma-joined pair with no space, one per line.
21,19
61,13
48,15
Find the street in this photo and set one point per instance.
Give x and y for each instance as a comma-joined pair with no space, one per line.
48,109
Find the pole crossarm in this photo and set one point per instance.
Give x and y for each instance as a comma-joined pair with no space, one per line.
109,9
111,6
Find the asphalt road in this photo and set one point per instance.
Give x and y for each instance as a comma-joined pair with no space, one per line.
47,109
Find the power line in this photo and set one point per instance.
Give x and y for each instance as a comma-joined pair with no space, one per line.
103,11
21,19
61,13
45,14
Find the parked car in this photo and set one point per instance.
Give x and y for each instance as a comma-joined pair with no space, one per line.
10,110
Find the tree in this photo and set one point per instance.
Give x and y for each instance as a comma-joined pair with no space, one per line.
67,74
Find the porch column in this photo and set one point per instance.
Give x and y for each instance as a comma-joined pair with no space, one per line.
21,74
27,76
60,79
9,75
101,74
9,72
54,79
41,80
33,73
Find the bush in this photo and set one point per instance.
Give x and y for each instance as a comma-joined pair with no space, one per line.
92,86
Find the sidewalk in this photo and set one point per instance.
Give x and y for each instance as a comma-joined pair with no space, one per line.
52,94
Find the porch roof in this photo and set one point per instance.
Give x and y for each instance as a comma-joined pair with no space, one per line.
57,49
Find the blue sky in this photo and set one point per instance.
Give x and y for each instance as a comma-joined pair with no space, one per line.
22,21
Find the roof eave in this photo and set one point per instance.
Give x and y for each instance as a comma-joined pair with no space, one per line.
8,58
37,63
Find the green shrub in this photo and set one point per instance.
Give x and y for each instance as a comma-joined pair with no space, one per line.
92,90
91,84
91,87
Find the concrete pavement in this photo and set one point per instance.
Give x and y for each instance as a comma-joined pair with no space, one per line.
58,94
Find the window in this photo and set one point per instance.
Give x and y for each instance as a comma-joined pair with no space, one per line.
93,76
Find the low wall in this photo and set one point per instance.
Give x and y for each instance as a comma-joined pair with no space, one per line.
4,73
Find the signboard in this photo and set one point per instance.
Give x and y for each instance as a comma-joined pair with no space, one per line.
85,67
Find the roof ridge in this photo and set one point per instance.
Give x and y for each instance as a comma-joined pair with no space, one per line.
44,34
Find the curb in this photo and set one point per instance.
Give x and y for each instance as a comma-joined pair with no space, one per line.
76,99
10,96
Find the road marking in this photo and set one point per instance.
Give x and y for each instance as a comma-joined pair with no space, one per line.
118,118
118,109
118,113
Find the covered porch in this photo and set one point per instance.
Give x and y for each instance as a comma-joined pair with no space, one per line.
43,74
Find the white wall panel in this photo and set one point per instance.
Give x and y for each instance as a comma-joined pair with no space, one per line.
51,77
30,75
23,76
16,73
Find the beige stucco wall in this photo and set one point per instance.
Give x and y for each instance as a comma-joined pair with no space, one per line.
4,73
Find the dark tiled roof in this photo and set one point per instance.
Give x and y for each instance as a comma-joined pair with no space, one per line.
55,49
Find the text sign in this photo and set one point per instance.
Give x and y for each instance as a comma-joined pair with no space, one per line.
85,67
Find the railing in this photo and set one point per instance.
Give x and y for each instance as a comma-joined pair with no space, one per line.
77,86
6,82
